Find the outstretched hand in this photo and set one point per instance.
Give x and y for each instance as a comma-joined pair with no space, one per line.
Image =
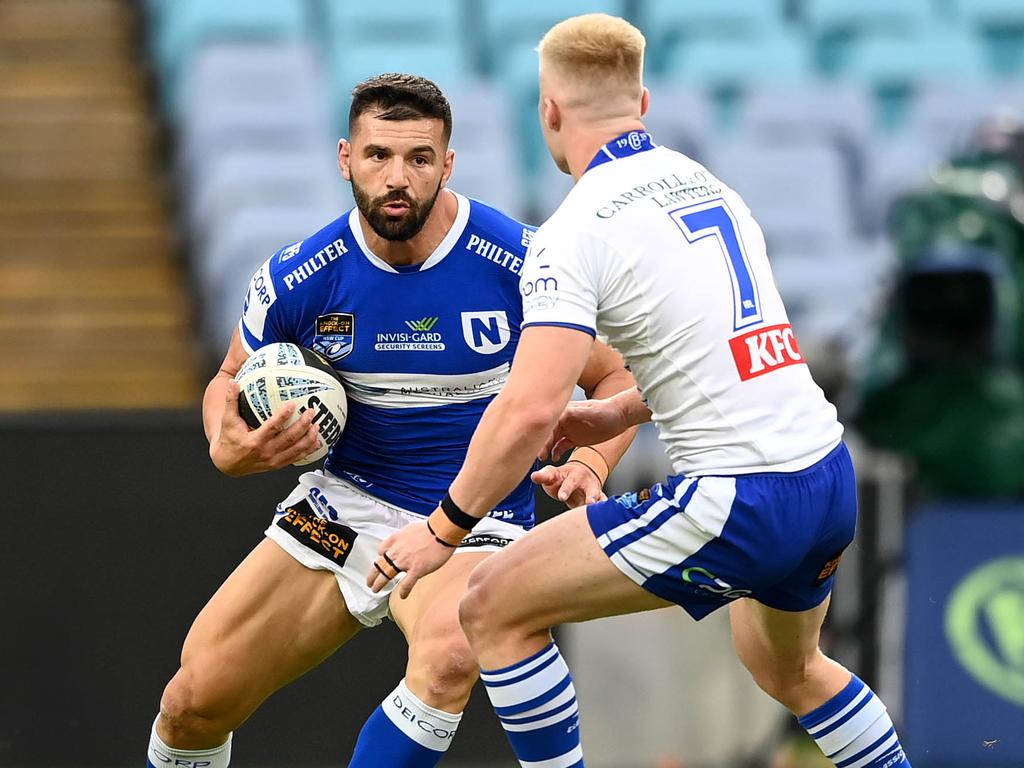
573,483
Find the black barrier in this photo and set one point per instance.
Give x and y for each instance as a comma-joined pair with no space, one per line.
116,531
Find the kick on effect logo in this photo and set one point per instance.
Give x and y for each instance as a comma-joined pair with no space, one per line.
985,626
334,335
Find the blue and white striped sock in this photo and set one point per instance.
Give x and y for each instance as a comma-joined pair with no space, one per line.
403,732
536,703
854,730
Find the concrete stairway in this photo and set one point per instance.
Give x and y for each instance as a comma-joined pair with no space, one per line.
93,307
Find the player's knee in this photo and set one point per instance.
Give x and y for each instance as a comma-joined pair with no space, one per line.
784,682
190,713
442,670
479,607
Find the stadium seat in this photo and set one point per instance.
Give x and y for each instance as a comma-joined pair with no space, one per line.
679,117
445,65
667,22
816,108
209,133
284,74
948,114
519,87
185,25
835,24
1000,23
243,178
895,164
992,14
511,24
837,114
244,242
487,165
887,61
722,18
828,17
550,186
798,193
354,21
735,63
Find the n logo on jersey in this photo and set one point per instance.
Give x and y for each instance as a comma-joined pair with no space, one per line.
765,350
486,332
334,336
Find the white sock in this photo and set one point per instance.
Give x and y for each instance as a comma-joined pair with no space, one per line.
160,755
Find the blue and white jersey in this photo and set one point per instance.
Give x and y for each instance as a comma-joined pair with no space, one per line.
666,262
422,350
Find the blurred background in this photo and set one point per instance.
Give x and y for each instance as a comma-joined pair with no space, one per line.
153,153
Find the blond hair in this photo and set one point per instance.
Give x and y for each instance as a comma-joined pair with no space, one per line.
595,50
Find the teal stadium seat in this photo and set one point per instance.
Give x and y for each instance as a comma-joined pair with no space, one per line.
732,63
667,22
185,25
844,16
441,63
835,24
366,39
350,22
990,13
1000,23
884,61
893,67
510,24
517,81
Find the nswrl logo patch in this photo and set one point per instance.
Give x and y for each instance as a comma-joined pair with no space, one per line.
331,540
335,335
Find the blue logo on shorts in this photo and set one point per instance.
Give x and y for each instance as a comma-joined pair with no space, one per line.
634,499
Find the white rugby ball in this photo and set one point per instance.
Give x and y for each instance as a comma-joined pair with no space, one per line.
280,373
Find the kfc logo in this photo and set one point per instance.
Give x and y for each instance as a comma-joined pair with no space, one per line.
765,350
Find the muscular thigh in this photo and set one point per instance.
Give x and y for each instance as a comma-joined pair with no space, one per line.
767,637
271,621
432,608
558,574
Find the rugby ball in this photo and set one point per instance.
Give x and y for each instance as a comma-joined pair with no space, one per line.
280,373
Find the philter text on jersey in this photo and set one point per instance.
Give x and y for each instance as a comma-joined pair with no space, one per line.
493,252
314,263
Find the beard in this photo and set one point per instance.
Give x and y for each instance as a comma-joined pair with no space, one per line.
390,227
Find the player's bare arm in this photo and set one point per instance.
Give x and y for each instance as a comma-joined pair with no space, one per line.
581,479
588,422
547,365
237,450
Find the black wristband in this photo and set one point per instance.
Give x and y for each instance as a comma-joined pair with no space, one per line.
458,518
439,539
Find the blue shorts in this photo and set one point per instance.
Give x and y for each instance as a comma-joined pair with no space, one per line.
701,542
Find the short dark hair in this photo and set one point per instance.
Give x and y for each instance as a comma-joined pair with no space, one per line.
398,96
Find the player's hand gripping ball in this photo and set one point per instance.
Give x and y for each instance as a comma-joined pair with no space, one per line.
279,373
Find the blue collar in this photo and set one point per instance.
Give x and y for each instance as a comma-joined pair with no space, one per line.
631,143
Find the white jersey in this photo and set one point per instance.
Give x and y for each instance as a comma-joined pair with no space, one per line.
656,255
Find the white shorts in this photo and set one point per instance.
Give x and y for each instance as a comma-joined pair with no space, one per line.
328,525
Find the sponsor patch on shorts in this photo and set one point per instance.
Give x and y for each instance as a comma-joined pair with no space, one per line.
484,540
828,570
331,540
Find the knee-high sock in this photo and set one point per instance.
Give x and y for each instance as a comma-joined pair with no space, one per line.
160,755
854,730
403,732
536,703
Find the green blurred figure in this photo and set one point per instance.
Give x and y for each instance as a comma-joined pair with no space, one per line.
946,384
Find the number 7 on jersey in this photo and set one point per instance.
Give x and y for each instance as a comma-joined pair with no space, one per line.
714,219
